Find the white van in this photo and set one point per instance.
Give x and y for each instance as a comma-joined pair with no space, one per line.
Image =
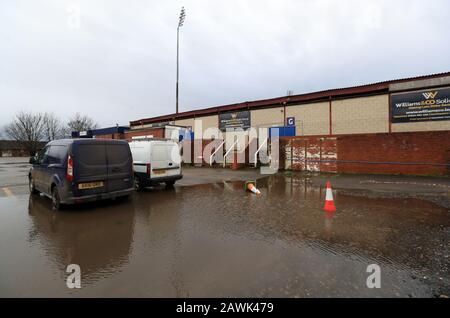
155,161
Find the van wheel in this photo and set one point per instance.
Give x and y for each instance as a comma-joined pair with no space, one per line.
138,184
170,184
31,186
56,200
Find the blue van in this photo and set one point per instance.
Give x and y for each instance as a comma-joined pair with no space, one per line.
79,170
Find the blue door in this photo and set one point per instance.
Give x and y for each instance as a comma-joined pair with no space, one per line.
282,131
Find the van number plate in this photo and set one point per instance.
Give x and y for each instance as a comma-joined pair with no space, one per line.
162,171
90,185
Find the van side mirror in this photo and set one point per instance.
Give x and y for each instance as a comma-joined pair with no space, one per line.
33,160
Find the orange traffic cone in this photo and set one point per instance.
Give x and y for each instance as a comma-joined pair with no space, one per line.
252,188
329,202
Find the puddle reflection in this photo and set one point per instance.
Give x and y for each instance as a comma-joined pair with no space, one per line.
218,240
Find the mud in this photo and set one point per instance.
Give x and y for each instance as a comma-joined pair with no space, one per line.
216,240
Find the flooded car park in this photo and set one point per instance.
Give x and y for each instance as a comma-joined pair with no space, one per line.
217,240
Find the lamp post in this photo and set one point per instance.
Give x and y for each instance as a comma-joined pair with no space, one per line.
180,24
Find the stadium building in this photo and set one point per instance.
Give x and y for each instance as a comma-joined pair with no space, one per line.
394,127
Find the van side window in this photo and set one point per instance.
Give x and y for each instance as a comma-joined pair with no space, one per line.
42,155
57,154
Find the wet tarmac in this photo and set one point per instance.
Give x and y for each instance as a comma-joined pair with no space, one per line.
216,240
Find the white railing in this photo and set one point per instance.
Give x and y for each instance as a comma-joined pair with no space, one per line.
215,151
228,151
257,151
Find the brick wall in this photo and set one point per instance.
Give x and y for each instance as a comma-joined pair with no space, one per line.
193,150
310,119
207,122
185,122
448,160
422,126
402,153
267,117
424,153
14,153
360,115
310,154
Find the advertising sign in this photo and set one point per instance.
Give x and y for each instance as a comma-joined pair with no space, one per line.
427,105
234,120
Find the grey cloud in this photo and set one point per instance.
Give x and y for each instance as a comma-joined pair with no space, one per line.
119,65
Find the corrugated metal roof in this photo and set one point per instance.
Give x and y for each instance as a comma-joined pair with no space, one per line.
373,88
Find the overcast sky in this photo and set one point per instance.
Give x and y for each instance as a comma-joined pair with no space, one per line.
116,60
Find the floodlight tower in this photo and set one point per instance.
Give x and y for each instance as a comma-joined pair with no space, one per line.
180,24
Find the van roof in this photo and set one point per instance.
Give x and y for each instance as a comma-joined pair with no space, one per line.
153,141
150,139
86,141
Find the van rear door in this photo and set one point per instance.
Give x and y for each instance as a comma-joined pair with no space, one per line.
90,167
120,166
165,159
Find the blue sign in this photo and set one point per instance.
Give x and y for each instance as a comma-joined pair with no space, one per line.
290,121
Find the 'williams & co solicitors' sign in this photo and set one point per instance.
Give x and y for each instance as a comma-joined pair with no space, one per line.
430,105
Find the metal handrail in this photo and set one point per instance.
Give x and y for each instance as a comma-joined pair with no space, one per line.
215,151
228,151
257,151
